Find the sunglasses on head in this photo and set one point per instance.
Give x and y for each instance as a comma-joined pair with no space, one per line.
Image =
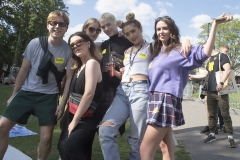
60,24
92,30
77,43
164,17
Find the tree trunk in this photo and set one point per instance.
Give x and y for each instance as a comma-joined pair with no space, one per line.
18,50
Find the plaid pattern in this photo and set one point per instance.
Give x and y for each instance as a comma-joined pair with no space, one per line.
165,110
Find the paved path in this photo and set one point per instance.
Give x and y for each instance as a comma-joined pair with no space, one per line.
189,134
14,154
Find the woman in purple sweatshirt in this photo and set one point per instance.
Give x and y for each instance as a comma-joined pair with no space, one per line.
168,73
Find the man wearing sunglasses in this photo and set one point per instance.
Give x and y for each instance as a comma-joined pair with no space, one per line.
31,95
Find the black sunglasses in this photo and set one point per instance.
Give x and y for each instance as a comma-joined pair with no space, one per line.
60,24
166,17
92,30
77,43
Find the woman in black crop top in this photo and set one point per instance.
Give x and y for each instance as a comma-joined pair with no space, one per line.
77,135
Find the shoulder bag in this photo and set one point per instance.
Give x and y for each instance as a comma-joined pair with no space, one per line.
74,101
230,85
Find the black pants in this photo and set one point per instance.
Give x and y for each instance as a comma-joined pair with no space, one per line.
220,118
78,146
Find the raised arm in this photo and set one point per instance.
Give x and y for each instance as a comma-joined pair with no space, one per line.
210,42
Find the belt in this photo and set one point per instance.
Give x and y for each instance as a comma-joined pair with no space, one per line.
137,82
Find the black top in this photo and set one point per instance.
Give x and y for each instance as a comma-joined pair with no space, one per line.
212,67
78,85
118,44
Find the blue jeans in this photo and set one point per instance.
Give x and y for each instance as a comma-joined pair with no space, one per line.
130,101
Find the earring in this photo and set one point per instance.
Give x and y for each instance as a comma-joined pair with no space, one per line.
172,36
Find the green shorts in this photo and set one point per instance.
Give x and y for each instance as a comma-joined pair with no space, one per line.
26,103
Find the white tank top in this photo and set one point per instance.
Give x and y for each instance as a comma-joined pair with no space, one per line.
140,62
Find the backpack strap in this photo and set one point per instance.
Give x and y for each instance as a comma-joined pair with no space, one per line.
151,48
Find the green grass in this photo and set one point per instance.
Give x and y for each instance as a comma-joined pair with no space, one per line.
234,100
28,144
181,153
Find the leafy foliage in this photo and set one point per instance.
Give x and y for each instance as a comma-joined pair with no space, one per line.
21,21
227,34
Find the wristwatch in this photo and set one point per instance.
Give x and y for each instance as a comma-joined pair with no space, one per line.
222,83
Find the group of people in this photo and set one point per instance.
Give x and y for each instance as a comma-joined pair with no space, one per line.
7,77
147,87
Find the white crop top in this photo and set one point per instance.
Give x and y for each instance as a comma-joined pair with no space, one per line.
140,62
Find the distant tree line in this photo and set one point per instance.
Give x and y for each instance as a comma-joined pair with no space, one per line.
227,34
21,21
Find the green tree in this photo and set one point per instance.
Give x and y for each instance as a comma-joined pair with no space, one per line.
227,34
21,21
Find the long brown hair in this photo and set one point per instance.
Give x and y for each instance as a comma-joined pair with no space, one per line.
92,49
174,40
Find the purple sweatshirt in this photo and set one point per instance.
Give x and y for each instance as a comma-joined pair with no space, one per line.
168,73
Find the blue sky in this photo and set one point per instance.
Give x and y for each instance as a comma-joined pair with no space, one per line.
189,15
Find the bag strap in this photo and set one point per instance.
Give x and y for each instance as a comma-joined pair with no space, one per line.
151,48
44,43
110,51
220,69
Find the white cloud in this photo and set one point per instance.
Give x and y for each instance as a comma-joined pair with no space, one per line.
102,37
163,12
116,7
162,7
199,20
119,8
143,17
193,40
72,30
232,8
76,2
236,16
164,4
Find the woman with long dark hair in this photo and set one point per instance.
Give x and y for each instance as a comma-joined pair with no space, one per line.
168,73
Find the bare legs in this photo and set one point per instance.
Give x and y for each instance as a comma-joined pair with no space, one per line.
45,143
5,126
152,138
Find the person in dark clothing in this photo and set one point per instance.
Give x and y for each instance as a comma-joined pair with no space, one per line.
119,45
77,135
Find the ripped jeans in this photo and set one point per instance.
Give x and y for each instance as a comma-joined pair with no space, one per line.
130,101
